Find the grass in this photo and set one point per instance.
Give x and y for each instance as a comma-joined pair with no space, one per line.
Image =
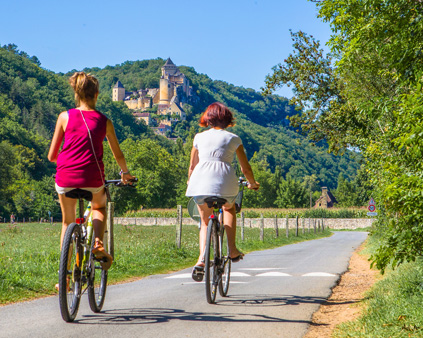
393,307
29,254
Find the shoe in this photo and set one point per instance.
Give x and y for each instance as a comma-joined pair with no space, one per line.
198,273
102,255
237,258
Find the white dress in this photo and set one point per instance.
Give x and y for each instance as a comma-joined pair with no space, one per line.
214,175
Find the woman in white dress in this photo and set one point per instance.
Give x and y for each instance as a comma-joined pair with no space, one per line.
211,174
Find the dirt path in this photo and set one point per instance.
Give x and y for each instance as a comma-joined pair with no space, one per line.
343,305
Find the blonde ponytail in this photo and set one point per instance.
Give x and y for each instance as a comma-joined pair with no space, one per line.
85,86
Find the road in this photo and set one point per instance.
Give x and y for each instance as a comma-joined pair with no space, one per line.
273,293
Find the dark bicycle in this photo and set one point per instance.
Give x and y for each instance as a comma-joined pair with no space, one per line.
79,269
217,269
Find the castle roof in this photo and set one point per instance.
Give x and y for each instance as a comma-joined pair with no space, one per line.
168,63
118,85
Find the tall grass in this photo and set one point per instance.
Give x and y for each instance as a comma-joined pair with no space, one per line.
394,305
29,254
266,212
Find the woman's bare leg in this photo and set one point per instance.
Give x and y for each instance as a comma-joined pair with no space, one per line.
229,219
68,206
205,213
98,207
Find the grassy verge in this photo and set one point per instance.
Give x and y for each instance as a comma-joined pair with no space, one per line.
393,307
29,254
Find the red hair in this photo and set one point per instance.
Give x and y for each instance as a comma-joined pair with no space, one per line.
217,115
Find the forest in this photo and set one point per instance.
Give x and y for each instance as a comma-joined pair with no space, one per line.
287,164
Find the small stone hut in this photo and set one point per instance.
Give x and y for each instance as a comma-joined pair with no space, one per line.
327,200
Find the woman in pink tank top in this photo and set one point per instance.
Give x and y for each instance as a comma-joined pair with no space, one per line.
77,165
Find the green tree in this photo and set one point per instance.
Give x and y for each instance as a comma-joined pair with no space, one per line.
368,96
292,194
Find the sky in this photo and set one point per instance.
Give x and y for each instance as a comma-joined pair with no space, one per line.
236,41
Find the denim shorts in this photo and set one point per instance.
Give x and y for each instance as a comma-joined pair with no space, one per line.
200,199
62,191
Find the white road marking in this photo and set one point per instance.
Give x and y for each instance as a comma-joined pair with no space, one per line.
182,275
262,269
319,274
264,274
239,274
274,274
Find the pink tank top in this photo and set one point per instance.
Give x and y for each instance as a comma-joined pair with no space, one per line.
76,164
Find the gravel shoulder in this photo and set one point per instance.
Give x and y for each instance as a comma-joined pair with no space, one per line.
345,303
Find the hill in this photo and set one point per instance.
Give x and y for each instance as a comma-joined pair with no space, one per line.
31,99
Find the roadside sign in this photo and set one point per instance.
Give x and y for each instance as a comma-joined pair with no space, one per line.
372,214
372,201
371,208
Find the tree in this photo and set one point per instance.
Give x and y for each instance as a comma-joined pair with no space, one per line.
292,194
368,96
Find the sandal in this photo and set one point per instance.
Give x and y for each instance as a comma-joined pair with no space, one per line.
237,258
198,273
102,255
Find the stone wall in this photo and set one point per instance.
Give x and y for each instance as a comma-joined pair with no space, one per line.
333,223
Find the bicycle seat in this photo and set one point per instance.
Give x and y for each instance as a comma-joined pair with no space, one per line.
80,193
219,201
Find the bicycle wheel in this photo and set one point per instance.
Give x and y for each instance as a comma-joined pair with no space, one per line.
109,228
226,276
211,259
97,282
70,272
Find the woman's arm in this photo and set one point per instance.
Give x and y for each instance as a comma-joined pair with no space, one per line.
57,139
117,153
193,162
246,168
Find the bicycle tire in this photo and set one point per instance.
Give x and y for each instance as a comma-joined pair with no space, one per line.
97,282
110,228
226,275
70,273
211,258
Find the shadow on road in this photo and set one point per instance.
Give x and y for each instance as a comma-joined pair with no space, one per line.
268,300
162,315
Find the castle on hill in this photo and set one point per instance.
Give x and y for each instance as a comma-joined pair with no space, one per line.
170,97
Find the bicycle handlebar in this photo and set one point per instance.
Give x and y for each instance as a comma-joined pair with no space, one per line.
242,181
119,183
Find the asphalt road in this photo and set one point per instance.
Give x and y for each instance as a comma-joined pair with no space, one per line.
273,293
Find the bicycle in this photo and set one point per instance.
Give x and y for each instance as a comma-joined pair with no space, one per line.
217,270
79,267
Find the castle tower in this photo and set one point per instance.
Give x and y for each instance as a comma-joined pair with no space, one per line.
118,91
169,68
166,87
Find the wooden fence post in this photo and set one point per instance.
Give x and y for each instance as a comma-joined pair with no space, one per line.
262,228
303,221
296,226
309,222
178,226
314,225
276,226
287,227
242,225
323,227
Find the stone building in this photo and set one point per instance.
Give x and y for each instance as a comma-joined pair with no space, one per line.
169,98
326,200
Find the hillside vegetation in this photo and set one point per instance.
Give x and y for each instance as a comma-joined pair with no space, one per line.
31,98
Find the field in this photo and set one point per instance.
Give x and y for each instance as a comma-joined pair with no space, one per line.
29,254
266,212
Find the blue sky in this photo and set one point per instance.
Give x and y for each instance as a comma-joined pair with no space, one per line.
237,41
